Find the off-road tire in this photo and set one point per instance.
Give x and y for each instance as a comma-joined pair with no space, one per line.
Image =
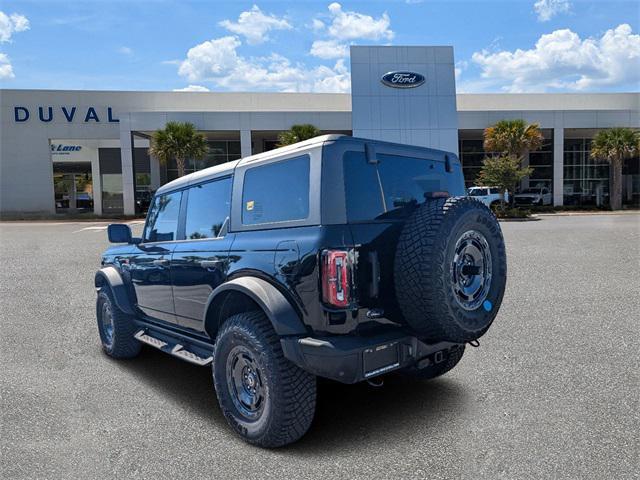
290,397
121,343
437,369
424,266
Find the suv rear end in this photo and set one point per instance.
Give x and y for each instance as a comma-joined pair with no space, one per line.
369,190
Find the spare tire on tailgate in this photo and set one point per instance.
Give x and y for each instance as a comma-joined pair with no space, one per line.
450,269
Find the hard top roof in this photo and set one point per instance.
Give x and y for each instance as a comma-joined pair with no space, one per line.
229,167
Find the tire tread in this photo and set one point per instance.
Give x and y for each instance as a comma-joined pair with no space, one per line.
293,405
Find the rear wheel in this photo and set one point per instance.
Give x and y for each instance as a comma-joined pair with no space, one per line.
115,327
450,269
265,398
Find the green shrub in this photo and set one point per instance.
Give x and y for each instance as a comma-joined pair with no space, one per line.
512,212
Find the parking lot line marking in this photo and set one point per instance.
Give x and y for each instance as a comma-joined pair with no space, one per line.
101,227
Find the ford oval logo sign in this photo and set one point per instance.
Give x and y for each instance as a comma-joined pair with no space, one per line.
402,79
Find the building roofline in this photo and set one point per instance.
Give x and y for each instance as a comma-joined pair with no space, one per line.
339,102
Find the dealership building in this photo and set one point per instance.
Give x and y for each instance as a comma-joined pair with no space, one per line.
75,151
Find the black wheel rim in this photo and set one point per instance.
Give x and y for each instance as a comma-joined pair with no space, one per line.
106,318
245,383
471,270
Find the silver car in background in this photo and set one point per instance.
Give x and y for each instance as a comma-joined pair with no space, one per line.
534,196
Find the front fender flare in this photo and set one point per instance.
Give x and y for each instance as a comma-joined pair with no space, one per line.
279,311
111,277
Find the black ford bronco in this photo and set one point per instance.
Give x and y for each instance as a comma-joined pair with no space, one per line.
336,257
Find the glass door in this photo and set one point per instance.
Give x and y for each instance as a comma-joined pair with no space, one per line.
73,187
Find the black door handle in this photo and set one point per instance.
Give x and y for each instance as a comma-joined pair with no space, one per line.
211,263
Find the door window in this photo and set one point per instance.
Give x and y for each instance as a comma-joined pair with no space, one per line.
207,208
162,222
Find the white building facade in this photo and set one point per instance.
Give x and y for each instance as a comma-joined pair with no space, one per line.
77,151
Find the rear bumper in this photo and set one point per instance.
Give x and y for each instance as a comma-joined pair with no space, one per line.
353,358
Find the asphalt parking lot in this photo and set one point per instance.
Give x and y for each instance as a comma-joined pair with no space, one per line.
552,392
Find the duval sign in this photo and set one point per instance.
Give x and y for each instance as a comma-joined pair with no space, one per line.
46,114
402,79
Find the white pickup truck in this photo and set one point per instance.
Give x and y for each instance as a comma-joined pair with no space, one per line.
490,196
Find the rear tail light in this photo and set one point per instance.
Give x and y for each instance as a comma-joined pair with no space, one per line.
336,278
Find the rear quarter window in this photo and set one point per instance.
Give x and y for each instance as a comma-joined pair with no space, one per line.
277,192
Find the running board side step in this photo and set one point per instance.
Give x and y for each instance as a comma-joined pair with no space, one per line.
177,350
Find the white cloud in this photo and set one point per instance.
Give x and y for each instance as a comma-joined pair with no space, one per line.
329,49
254,25
347,25
331,80
562,60
547,9
210,58
10,24
218,61
125,51
192,88
6,70
460,66
317,25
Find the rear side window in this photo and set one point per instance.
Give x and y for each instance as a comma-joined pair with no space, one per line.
208,207
495,191
162,220
278,192
384,190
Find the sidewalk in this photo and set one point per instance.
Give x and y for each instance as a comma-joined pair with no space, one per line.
586,212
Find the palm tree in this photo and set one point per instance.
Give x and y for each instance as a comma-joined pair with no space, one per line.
515,138
615,145
297,133
179,141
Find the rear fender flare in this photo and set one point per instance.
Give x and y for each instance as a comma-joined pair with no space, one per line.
111,277
279,311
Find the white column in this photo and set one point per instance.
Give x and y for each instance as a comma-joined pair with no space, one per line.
96,182
126,158
154,165
245,143
558,166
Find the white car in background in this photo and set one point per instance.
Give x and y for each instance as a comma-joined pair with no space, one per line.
534,196
490,196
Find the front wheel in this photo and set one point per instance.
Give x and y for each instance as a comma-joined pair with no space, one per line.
115,327
265,398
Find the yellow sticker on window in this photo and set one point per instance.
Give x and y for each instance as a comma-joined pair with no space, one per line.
250,204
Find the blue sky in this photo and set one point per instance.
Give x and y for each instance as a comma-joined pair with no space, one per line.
500,46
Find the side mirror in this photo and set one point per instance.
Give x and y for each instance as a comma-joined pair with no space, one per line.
119,233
